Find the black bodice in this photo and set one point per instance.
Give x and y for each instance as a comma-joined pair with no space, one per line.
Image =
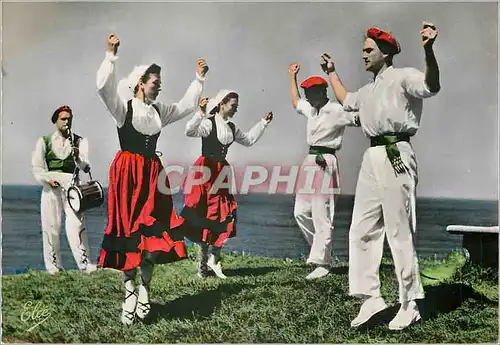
133,141
212,147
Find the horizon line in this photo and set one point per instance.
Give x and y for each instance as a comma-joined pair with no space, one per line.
263,192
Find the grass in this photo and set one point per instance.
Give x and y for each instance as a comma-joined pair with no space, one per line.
263,300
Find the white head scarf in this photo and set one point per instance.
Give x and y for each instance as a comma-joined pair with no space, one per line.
214,102
126,85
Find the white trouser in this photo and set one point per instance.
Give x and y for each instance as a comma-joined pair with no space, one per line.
384,205
314,213
53,202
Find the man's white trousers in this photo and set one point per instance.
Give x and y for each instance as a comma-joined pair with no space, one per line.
53,204
314,208
384,206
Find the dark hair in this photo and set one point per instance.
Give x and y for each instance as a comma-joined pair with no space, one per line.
224,101
153,69
55,115
386,47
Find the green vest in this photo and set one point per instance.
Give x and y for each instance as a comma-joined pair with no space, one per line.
56,164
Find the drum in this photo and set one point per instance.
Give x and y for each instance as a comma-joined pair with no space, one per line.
85,196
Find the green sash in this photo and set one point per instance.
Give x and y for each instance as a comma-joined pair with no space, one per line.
319,151
390,142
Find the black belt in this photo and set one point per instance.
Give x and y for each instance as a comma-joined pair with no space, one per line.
390,141
320,150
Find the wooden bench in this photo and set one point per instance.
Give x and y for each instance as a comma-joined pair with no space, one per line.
480,241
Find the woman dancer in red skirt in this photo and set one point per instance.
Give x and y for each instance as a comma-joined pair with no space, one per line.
139,216
209,214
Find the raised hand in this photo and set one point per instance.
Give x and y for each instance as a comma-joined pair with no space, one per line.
293,69
327,65
203,104
201,67
429,34
113,42
269,117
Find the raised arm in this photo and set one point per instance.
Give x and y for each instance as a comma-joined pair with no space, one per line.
253,135
429,34
293,69
187,105
199,125
329,68
107,87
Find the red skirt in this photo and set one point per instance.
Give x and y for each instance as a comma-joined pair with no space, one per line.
139,216
208,204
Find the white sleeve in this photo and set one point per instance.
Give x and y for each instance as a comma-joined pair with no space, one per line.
303,107
39,166
349,118
252,136
83,156
351,101
186,106
414,83
198,126
107,89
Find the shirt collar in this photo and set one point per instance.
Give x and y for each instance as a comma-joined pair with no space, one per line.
384,73
221,119
57,135
138,101
316,111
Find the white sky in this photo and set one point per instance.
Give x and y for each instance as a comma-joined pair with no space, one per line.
51,52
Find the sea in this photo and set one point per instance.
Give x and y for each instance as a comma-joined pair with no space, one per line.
266,227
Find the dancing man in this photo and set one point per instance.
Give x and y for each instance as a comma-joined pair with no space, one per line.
209,214
326,122
390,108
54,161
138,233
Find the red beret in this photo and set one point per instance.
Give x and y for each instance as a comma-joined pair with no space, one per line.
379,35
313,81
62,108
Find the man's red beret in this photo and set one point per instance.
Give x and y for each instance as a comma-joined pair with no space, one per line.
313,81
379,35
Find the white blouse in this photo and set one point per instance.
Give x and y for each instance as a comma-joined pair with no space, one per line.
200,126
145,118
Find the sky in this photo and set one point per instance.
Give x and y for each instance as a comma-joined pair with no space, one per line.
51,53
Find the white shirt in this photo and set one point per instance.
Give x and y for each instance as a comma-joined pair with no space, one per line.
145,118
200,126
325,128
62,149
392,103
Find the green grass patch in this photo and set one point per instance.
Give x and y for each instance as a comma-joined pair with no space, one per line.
263,300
